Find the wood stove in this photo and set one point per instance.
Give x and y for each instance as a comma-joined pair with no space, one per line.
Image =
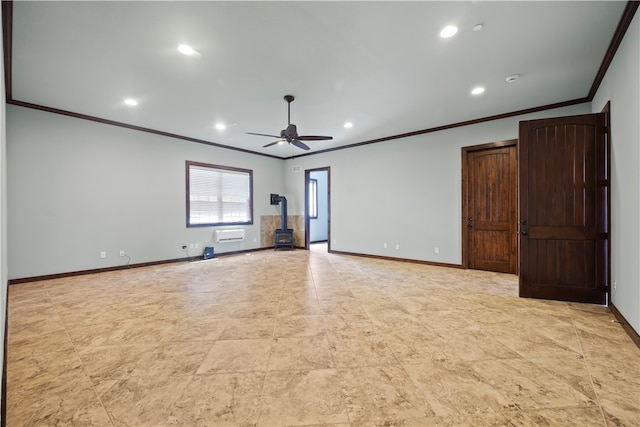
284,235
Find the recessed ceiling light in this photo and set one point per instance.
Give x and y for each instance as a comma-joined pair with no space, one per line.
448,31
478,27
477,90
186,49
512,78
348,125
130,101
220,126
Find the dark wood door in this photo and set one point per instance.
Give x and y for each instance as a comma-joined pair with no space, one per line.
490,207
563,208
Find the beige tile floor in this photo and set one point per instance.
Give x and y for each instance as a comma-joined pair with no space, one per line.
310,338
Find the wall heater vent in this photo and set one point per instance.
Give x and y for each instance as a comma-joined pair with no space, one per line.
230,235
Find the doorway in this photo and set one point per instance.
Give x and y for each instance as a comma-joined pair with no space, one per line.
489,207
317,207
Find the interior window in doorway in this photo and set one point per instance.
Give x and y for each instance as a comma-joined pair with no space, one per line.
313,198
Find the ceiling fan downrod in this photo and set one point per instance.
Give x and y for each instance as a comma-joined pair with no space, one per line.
289,99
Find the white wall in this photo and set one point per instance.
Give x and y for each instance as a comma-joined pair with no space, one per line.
77,188
404,192
621,86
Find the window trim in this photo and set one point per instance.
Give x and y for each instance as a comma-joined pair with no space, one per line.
188,165
313,198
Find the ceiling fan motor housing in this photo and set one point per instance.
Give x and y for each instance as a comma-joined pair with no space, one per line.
291,133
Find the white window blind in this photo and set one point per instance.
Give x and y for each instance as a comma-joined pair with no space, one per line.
218,195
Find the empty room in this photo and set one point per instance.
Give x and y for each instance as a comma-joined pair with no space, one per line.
305,213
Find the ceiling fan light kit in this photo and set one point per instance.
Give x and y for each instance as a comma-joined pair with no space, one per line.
290,134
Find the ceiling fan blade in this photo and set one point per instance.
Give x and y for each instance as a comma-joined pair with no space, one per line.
314,138
263,134
300,144
272,143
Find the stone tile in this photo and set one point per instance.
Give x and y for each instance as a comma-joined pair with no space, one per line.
146,360
218,400
21,346
247,328
412,348
349,325
341,304
245,355
569,417
188,329
302,398
474,345
143,401
117,331
64,399
618,388
34,370
536,342
354,351
454,388
299,326
479,420
385,395
301,353
541,382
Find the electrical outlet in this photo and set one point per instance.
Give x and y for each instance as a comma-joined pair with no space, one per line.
436,250
103,254
121,252
197,245
397,246
384,245
615,284
191,246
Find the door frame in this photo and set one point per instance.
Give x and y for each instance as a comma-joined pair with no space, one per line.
307,219
465,195
607,123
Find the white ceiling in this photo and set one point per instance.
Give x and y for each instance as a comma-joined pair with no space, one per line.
380,65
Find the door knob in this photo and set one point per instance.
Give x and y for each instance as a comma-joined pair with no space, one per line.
523,232
524,222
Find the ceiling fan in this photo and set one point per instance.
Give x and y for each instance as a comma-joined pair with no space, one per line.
290,134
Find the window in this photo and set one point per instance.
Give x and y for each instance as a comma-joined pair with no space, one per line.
313,198
218,195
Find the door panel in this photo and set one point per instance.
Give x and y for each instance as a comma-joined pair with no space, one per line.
490,208
563,202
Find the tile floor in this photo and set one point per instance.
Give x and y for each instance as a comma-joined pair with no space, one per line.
310,338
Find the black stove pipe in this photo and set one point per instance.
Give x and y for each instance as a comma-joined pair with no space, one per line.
276,199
